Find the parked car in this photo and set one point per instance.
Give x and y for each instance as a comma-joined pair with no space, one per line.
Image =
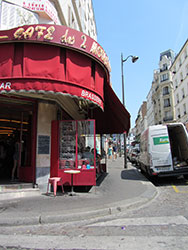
133,154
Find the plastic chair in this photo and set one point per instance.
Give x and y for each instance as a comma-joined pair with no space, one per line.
53,181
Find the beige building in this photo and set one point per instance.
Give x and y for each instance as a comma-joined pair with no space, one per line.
163,94
76,14
150,103
141,120
159,107
179,71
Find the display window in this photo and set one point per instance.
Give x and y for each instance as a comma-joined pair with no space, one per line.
77,145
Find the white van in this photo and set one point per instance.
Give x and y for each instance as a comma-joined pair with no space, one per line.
164,150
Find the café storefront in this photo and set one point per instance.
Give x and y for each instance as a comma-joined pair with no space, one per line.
54,89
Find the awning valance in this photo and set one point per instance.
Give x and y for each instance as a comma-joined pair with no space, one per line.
41,68
115,119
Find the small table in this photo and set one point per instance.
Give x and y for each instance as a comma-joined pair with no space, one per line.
72,172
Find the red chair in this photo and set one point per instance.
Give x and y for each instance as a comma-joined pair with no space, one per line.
53,181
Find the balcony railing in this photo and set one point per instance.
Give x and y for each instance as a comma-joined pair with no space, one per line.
166,93
166,119
167,105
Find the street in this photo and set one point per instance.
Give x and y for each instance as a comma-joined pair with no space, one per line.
162,223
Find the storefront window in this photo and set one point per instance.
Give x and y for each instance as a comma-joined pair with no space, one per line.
86,145
67,144
77,144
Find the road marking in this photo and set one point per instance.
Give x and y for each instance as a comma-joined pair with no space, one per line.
166,220
175,189
178,191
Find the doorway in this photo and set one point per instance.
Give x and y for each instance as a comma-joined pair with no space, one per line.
17,140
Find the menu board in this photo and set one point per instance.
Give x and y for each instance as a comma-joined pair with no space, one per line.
43,144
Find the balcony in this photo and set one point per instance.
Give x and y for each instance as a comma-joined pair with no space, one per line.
164,69
167,119
167,106
166,93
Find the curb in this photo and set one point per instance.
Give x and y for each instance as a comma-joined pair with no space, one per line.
108,210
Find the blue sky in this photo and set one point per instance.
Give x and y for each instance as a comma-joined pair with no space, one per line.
143,28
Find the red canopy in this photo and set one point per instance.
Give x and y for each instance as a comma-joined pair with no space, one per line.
57,61
115,119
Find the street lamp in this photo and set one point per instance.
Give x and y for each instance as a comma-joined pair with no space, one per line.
134,59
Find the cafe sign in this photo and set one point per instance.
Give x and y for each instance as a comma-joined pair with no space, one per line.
57,34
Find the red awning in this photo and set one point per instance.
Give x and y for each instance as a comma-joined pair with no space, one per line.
115,119
41,68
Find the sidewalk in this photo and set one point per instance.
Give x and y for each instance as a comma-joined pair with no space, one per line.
116,191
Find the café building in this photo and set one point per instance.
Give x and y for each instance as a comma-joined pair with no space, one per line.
55,96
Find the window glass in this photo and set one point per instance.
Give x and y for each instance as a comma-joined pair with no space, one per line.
67,144
86,143
77,143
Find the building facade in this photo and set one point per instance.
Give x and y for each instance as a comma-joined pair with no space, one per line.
150,104
160,99
51,73
167,100
163,96
141,121
76,14
179,71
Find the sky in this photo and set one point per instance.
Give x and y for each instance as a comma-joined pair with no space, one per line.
142,28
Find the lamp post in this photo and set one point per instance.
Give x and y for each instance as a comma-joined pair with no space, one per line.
134,59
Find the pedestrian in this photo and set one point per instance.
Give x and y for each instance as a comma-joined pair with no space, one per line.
16,159
110,151
114,152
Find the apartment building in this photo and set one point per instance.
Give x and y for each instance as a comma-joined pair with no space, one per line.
160,98
179,71
150,104
163,94
76,14
141,120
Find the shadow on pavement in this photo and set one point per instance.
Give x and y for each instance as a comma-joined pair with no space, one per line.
131,174
168,181
100,179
